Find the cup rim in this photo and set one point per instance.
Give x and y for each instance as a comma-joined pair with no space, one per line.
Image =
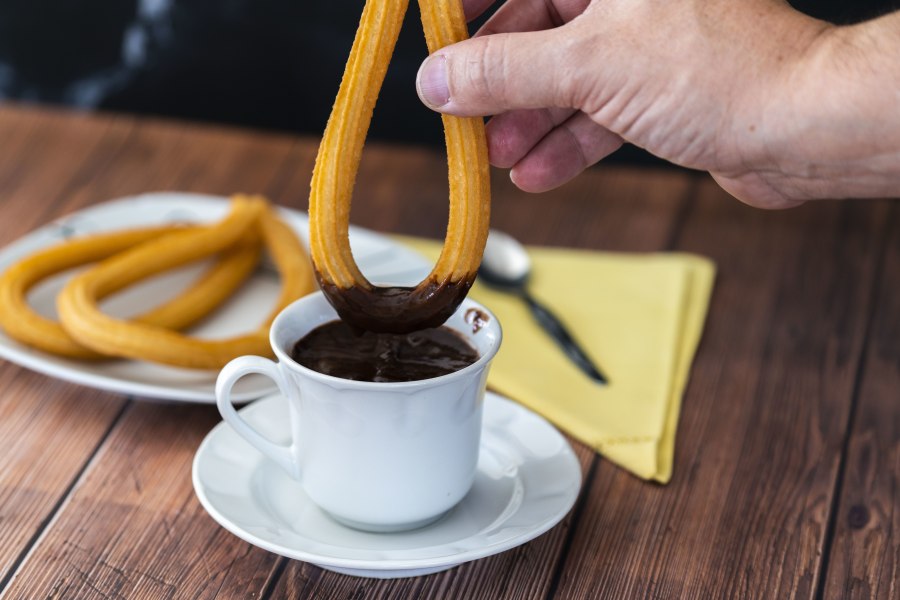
285,358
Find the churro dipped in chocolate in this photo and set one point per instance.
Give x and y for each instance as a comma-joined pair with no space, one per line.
357,300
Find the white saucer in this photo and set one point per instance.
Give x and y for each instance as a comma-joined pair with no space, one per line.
380,258
528,479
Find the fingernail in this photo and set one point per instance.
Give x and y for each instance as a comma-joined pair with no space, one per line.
431,81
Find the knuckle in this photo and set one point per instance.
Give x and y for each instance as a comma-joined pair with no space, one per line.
575,83
485,72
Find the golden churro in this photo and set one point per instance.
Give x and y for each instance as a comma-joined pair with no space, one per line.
358,301
82,318
20,322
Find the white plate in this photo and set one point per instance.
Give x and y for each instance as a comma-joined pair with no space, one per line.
528,479
380,258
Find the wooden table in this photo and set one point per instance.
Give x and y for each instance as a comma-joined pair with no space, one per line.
788,454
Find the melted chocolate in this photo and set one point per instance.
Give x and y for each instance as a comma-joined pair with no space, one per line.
339,350
397,309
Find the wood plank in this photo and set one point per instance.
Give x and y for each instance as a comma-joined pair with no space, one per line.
49,155
765,412
47,434
617,221
64,161
607,208
48,429
109,538
758,448
133,528
170,156
864,561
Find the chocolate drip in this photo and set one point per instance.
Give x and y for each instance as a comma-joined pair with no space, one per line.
397,309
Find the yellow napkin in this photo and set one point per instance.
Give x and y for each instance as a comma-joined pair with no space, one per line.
639,316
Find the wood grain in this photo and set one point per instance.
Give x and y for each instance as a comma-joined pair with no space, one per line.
48,429
760,436
777,467
47,434
106,542
46,157
864,561
133,528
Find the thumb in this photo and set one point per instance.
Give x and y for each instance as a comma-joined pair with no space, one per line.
496,73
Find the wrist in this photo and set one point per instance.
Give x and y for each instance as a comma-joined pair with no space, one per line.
760,156
832,130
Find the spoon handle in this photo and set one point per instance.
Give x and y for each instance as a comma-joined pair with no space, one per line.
553,326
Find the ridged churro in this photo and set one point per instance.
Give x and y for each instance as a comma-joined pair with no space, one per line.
81,317
358,301
20,322
123,258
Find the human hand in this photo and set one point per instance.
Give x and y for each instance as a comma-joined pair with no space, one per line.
706,84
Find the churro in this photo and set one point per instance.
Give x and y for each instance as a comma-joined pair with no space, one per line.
81,317
432,301
20,322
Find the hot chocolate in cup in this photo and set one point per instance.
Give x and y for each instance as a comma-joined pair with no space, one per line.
375,456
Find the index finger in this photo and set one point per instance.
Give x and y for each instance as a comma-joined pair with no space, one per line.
531,15
475,8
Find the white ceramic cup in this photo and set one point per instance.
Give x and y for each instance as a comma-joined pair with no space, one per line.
375,456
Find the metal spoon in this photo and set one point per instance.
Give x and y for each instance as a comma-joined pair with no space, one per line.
507,266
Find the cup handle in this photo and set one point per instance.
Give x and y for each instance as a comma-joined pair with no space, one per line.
228,376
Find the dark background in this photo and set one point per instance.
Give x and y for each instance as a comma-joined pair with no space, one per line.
272,64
